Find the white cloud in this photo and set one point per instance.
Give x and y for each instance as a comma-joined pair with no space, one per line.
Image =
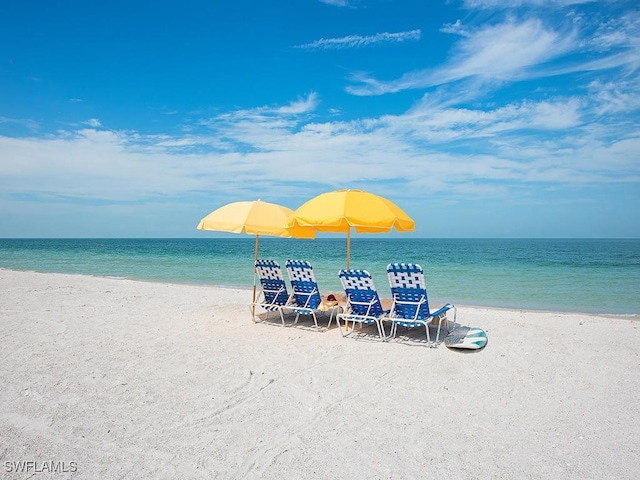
444,125
507,51
337,3
30,124
523,49
501,4
619,40
504,52
615,97
90,164
454,28
448,150
304,105
356,41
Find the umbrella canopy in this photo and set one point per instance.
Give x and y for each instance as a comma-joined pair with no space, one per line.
257,218
342,210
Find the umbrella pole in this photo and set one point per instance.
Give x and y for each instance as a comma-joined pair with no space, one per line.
255,258
346,322
348,246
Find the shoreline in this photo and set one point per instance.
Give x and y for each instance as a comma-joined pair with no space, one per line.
151,380
631,316
578,275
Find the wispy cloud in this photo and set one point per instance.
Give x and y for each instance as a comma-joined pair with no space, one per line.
27,123
500,4
337,3
256,128
303,105
615,97
523,48
507,51
455,28
358,41
93,122
545,116
300,106
504,52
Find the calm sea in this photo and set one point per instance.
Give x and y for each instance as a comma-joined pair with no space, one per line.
575,275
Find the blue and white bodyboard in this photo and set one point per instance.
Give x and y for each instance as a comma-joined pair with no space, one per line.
470,338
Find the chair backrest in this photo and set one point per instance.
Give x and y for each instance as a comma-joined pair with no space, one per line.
406,281
303,283
361,292
273,286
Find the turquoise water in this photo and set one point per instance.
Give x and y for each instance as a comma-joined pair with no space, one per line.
576,275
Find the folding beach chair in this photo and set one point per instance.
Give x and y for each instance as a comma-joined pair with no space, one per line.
363,302
410,307
305,296
273,294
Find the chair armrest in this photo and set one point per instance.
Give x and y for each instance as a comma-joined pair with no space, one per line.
442,310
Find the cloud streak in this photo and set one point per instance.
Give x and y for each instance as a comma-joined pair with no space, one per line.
505,52
358,41
337,3
500,4
521,49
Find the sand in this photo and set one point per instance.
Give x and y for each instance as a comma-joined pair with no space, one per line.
109,378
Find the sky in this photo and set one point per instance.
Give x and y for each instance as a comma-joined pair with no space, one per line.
479,118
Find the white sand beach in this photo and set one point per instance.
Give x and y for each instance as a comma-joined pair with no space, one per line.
109,379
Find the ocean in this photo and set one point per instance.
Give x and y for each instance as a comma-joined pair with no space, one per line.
599,276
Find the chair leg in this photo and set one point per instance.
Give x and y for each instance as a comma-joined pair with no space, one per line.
253,314
438,333
455,318
426,327
334,312
380,330
392,331
330,319
344,332
444,317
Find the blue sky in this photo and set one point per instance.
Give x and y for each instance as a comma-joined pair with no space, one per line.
480,118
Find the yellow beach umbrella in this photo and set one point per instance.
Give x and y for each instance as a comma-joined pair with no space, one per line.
342,210
254,218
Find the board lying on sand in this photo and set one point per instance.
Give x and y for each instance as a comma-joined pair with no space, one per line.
471,338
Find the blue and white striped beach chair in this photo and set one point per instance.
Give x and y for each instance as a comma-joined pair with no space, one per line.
273,290
410,307
363,302
305,296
